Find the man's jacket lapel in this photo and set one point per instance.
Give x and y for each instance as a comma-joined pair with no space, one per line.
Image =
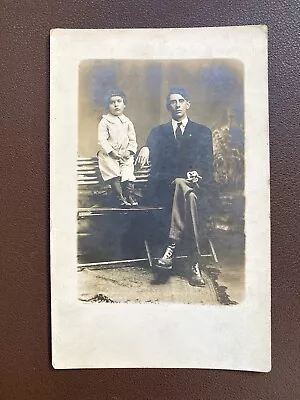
168,131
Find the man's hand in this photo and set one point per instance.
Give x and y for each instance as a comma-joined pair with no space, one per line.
115,155
193,176
143,157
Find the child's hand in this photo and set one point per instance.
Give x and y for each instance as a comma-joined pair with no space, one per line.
126,154
115,155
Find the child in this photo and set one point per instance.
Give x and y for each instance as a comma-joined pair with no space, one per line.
117,146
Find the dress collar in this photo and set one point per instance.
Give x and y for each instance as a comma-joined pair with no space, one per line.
114,119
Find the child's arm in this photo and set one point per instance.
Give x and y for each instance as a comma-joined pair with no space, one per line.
132,145
103,135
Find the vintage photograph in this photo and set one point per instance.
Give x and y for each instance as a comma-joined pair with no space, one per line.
160,218
160,175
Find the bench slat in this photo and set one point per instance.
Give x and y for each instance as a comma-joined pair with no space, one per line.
92,172
88,182
86,178
142,175
87,168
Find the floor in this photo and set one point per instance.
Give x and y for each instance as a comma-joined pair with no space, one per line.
139,284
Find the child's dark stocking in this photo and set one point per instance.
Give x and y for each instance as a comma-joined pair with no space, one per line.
128,190
117,192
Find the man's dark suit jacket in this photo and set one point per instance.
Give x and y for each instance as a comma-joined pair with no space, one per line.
171,159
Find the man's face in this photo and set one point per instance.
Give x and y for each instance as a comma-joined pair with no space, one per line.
116,105
178,106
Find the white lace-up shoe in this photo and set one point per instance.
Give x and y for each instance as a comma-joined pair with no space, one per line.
166,261
196,278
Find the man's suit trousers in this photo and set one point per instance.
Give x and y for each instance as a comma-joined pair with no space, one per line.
188,215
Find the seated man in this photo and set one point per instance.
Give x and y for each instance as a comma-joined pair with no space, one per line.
181,156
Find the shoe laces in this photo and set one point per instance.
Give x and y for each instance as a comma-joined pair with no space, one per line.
195,269
169,251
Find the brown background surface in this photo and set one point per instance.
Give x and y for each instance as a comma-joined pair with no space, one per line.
25,368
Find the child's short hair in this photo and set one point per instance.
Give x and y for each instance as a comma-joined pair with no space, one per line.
176,90
114,92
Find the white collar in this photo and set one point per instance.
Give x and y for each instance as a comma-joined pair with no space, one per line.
183,123
114,118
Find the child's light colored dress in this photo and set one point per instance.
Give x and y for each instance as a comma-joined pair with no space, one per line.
116,133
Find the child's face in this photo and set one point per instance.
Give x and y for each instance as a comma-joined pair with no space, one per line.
116,105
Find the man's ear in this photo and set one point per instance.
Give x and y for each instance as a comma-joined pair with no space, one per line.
188,105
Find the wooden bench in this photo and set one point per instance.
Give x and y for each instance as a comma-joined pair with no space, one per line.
92,190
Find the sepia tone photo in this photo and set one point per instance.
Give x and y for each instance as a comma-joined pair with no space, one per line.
160,175
160,226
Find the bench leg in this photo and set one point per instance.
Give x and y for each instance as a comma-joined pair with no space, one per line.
213,251
148,253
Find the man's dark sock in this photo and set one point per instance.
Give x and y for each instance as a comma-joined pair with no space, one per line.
172,242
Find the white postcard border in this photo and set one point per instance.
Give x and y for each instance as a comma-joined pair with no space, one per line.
158,335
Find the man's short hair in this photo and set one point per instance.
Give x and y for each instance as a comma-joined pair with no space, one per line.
114,92
177,90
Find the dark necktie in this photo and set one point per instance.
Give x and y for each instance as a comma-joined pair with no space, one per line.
178,132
